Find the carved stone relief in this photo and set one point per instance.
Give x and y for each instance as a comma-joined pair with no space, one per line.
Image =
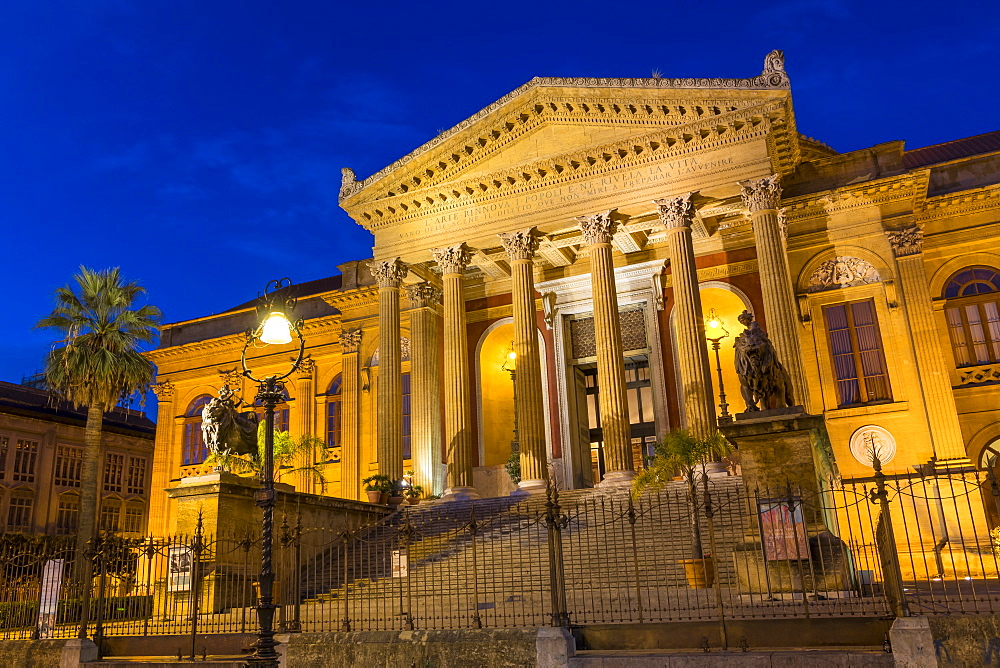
598,228
350,340
388,273
520,245
453,259
873,440
422,295
906,241
675,212
761,194
164,390
842,272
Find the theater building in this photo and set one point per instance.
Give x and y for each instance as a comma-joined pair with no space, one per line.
591,226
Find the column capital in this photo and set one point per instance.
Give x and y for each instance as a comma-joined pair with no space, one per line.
598,228
675,212
307,367
453,259
906,240
422,295
350,340
761,194
520,245
164,390
388,273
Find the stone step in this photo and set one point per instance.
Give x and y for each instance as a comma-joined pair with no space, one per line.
167,662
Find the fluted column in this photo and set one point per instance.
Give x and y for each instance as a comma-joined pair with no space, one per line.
350,415
520,247
676,215
166,458
303,422
425,388
389,448
457,415
598,229
935,382
761,198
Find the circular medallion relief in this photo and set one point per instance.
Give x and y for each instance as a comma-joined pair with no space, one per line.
871,440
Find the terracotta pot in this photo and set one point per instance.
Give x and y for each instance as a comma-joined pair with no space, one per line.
383,498
374,496
395,501
700,573
413,500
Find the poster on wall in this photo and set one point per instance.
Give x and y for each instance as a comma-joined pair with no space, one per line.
782,529
179,560
48,600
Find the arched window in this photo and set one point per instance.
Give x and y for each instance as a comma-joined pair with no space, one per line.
973,296
334,414
194,451
988,457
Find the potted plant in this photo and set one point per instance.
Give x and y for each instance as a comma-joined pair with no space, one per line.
378,487
397,492
412,494
682,452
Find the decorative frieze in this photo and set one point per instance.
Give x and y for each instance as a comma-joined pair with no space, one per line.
598,228
783,222
761,194
842,272
164,390
388,273
422,295
675,212
350,340
520,245
906,241
453,259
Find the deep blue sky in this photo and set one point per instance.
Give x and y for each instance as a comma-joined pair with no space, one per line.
198,144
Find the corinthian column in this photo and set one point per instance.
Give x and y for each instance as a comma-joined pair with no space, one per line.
598,229
425,388
520,247
389,274
676,216
935,383
457,416
303,424
350,415
761,198
166,459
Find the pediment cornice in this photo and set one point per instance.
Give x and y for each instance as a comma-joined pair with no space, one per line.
636,102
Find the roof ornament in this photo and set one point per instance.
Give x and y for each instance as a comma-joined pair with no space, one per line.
349,183
774,69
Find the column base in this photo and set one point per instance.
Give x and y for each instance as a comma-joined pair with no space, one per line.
461,494
957,464
616,480
528,487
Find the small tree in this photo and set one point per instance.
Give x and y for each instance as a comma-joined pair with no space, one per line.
286,451
680,452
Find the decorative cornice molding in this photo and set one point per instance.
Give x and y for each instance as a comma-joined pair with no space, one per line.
350,340
719,271
164,390
388,273
598,228
520,245
761,194
906,241
423,295
453,259
675,212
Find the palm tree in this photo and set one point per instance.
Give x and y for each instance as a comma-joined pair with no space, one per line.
97,363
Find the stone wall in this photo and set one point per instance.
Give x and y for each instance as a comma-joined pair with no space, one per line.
66,653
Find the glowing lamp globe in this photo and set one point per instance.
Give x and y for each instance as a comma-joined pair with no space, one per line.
276,329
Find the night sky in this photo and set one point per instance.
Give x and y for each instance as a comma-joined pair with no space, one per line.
198,145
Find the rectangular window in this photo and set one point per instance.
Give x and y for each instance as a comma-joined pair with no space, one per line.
975,331
136,475
69,462
406,415
25,456
111,511
858,358
19,514
114,468
68,514
133,518
4,444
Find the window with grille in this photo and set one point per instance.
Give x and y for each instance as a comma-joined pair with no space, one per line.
25,456
111,511
632,319
973,314
19,513
133,518
69,463
334,415
68,514
4,444
858,358
114,470
406,415
136,475
193,449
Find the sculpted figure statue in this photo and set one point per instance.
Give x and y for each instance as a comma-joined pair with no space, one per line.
224,429
761,374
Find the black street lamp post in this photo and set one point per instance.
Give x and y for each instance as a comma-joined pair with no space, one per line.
713,325
275,328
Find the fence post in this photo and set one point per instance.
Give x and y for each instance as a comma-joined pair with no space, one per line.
885,540
345,624
709,515
101,558
197,547
632,516
86,572
406,536
555,521
477,619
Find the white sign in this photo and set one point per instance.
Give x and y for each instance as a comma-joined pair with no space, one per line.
400,564
48,600
179,565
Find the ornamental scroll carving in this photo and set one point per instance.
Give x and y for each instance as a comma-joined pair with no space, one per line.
453,259
842,272
388,273
164,390
761,194
520,245
906,241
422,295
783,222
350,340
307,366
349,183
675,212
598,228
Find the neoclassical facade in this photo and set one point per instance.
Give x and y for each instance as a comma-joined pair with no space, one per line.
590,226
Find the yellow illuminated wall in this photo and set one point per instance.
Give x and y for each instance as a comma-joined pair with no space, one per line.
497,395
728,306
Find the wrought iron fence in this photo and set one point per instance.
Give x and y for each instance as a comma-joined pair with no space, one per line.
882,546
